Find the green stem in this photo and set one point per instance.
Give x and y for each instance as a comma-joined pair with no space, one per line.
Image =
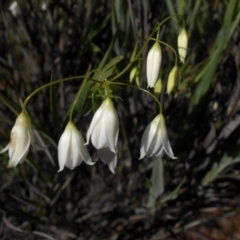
169,46
166,19
76,99
45,86
137,55
157,28
141,89
175,53
128,85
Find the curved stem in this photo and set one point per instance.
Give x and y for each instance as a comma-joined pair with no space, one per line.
48,85
137,55
76,99
136,87
166,19
157,28
141,89
175,53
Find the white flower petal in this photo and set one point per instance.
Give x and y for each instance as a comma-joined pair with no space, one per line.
112,165
166,145
99,139
63,149
71,149
21,138
112,126
18,148
148,137
108,157
94,123
82,149
155,139
5,149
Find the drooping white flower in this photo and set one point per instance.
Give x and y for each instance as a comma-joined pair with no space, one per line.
182,44
154,59
15,9
71,148
103,132
21,138
155,139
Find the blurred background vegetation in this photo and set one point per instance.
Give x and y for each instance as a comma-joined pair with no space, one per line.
202,116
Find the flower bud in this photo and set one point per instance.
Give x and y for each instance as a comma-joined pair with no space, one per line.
172,78
21,138
158,87
133,74
154,59
182,45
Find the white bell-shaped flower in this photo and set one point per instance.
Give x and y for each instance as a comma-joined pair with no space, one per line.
21,138
103,132
154,59
155,139
15,9
71,148
182,44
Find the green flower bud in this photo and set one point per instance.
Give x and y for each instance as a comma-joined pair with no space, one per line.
182,45
172,78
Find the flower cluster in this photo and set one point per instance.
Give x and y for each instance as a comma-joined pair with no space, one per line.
104,127
103,132
154,59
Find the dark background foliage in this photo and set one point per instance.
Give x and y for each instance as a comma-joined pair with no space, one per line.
202,117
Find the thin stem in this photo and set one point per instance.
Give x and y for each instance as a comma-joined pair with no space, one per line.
157,28
76,99
141,89
136,87
137,55
166,19
45,86
175,53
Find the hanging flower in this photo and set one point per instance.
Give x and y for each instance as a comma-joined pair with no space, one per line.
14,9
21,138
103,132
182,44
71,148
154,59
155,139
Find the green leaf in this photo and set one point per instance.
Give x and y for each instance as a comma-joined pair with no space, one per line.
113,62
10,104
84,94
217,168
174,194
207,74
